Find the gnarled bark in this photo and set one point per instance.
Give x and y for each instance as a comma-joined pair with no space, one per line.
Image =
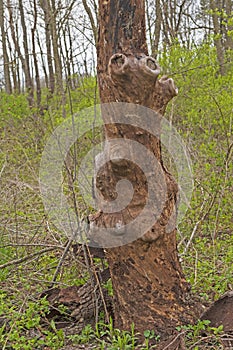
149,287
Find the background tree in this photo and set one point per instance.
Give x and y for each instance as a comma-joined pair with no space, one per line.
26,60
6,62
35,58
45,6
65,43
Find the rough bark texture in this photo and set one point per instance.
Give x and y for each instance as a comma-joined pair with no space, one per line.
83,304
149,287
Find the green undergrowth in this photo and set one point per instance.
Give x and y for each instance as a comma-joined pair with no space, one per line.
31,246
28,328
203,115
105,336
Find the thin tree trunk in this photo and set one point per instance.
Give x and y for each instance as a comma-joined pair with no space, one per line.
28,78
149,286
43,63
66,60
229,27
91,18
24,60
57,59
15,65
37,75
158,26
218,36
8,87
47,19
71,60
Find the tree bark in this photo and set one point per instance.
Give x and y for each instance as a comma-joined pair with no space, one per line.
149,286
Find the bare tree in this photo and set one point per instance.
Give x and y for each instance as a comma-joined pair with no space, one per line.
46,9
25,60
154,20
6,62
55,42
37,75
91,18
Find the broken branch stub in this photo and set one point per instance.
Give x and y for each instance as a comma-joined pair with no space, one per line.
135,78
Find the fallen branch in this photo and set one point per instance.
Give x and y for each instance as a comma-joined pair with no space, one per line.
28,257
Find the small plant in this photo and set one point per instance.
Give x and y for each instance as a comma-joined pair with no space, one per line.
194,334
106,336
87,335
108,286
24,330
150,335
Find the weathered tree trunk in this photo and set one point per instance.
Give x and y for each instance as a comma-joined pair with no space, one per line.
149,287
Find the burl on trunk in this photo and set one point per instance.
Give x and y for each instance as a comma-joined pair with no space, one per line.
149,287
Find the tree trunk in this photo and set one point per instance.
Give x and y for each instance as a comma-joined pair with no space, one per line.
46,79
8,87
149,287
14,50
26,61
218,35
56,54
47,19
229,26
158,26
37,74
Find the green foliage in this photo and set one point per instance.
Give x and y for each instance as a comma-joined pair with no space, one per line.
13,108
150,335
202,113
23,329
106,336
108,286
25,229
194,334
210,272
